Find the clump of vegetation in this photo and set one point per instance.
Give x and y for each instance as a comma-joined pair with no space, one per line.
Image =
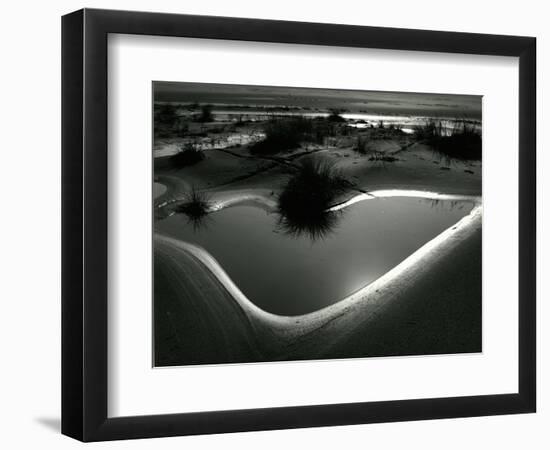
428,130
188,155
383,131
379,156
182,128
284,134
462,142
322,129
305,201
165,114
335,116
196,205
360,145
167,120
206,114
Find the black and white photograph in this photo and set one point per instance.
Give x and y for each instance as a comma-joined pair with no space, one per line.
296,223
275,225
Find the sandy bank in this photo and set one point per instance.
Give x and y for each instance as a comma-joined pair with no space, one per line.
230,175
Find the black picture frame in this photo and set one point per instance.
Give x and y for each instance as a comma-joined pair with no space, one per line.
84,224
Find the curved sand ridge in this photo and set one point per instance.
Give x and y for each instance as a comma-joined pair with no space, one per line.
268,336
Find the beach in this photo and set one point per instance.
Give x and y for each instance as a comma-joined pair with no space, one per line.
430,303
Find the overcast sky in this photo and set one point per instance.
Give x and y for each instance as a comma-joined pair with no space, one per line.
372,102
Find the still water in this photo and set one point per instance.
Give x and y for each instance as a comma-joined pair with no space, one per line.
296,273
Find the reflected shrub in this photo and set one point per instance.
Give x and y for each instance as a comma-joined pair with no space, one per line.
304,203
195,206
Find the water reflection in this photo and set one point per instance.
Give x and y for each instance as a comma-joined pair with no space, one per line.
448,205
273,262
200,223
196,207
304,204
313,226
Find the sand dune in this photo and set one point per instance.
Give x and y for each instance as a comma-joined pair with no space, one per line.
430,303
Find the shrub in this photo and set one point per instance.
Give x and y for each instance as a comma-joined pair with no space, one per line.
360,145
182,128
379,156
196,205
165,114
428,130
335,116
206,114
288,133
283,134
304,203
321,129
189,155
462,142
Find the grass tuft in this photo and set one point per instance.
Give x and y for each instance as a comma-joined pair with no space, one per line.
360,145
463,142
288,133
335,116
196,204
304,202
205,114
190,154
379,156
